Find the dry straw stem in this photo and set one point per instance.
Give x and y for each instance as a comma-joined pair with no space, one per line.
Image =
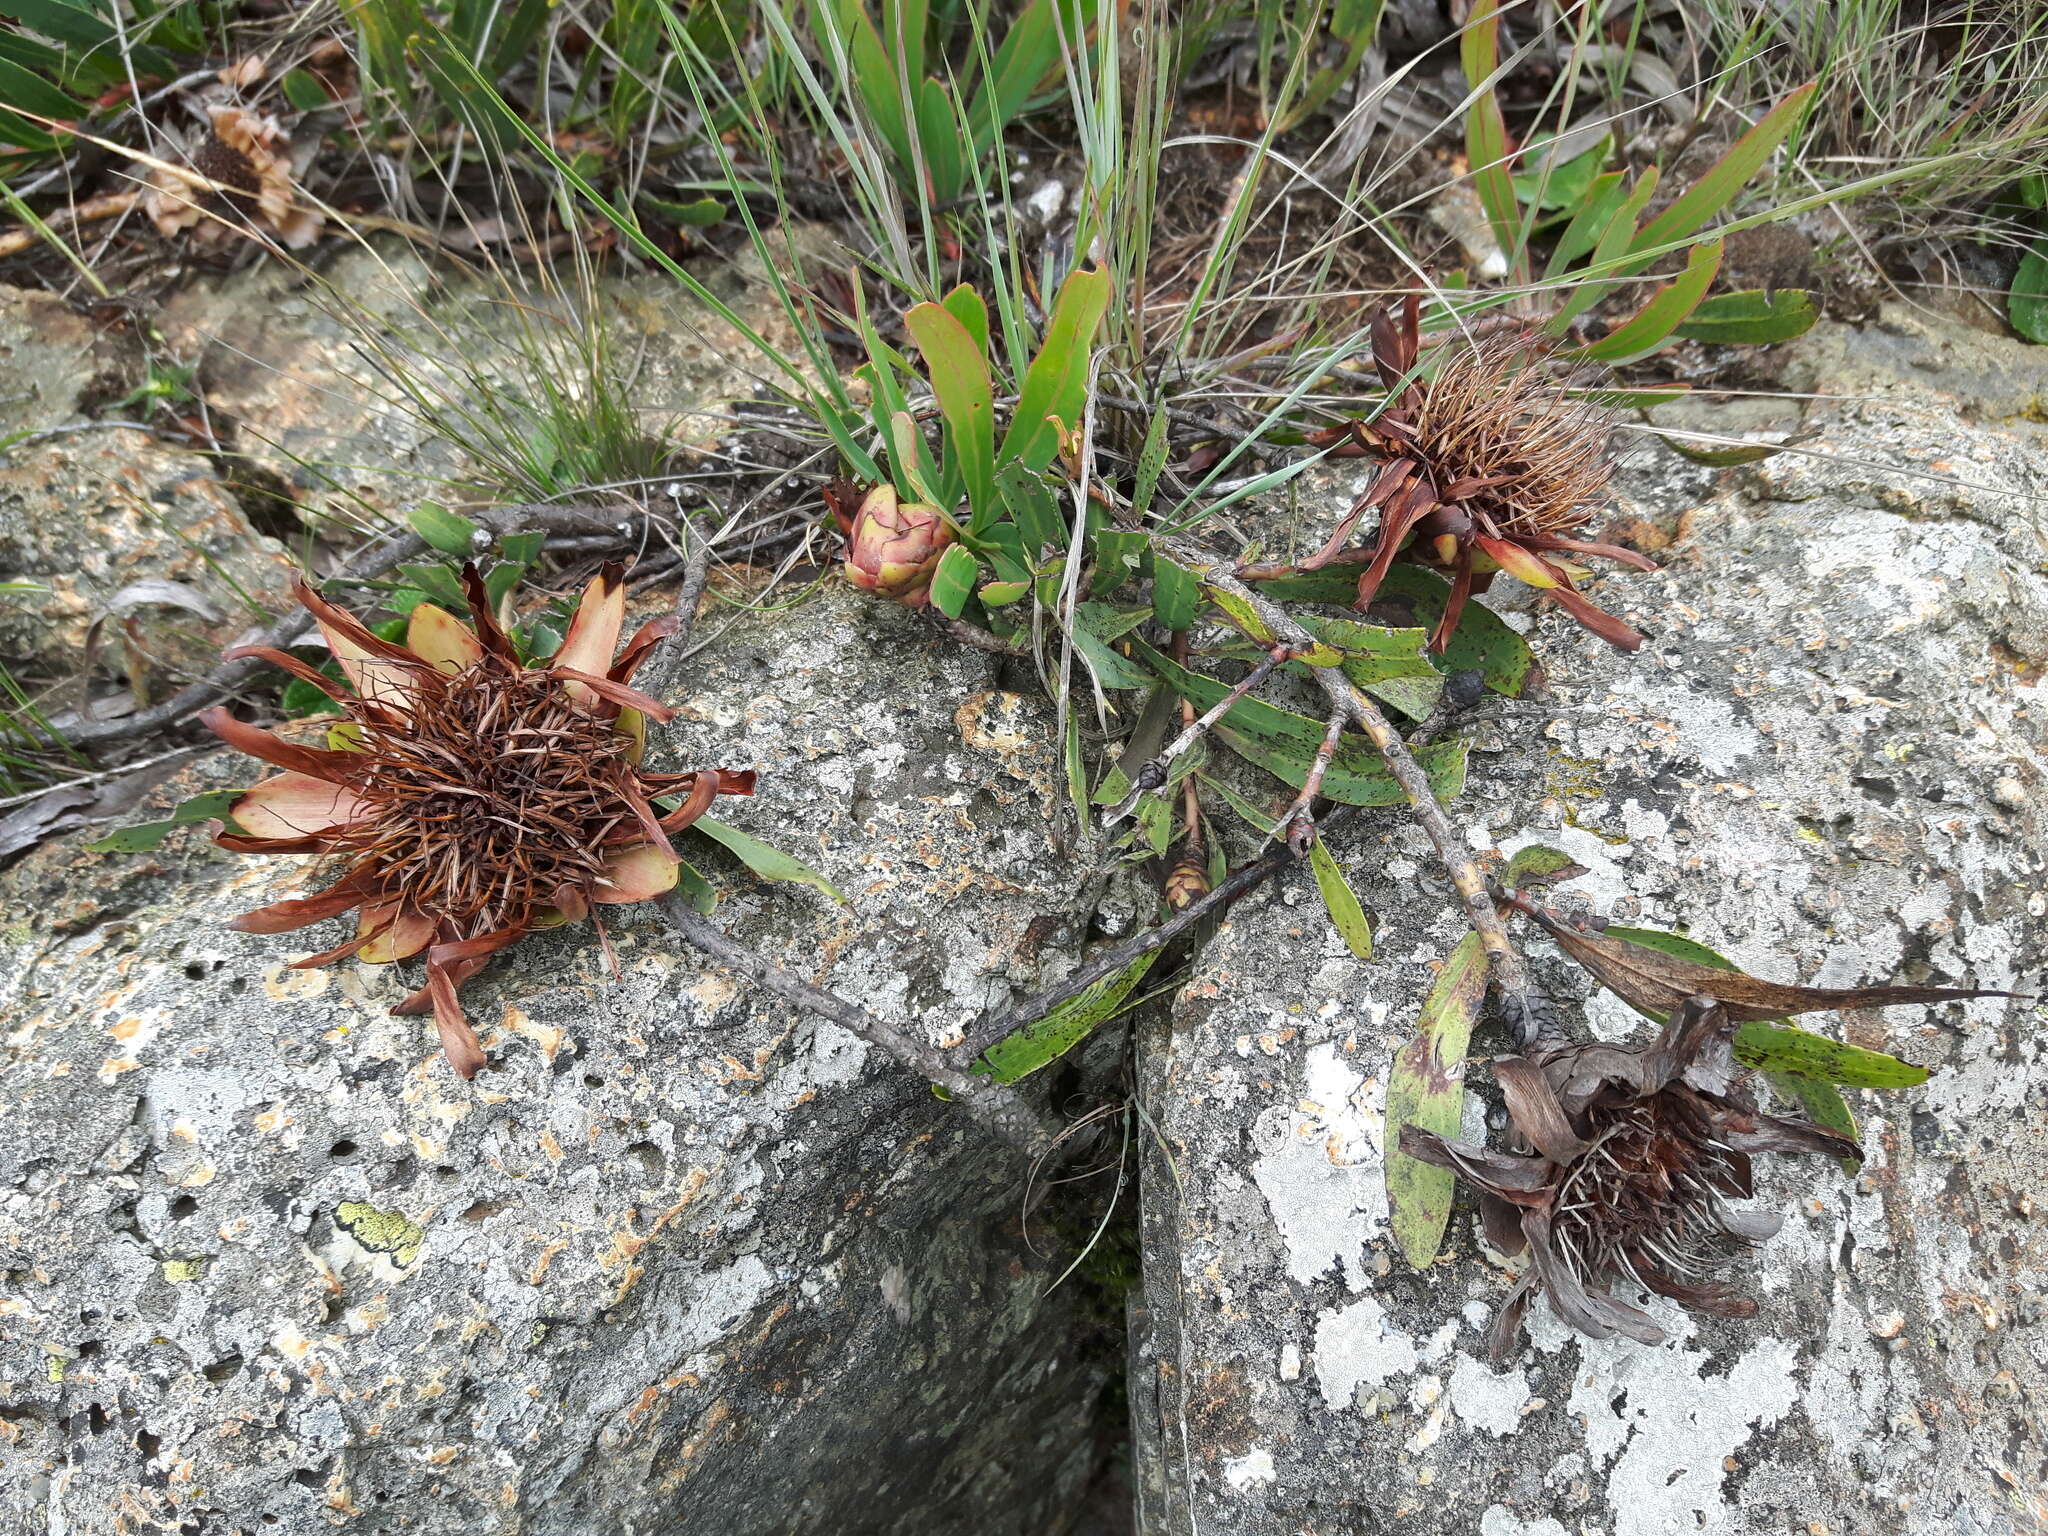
1508,972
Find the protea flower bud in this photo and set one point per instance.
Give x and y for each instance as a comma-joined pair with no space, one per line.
468,798
1624,1162
892,548
1187,883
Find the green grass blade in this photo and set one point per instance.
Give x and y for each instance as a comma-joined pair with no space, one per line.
1728,175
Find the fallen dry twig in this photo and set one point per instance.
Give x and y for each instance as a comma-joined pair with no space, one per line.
995,1105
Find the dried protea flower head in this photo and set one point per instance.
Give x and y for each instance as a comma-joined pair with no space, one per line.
468,798
249,155
892,547
1488,463
1624,1164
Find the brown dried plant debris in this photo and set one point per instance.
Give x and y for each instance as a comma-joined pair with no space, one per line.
1620,1172
467,798
1655,982
249,155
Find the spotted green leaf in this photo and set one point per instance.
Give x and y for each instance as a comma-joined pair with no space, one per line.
1285,744
1752,317
1340,901
1045,1040
149,835
1427,1089
769,863
1775,1046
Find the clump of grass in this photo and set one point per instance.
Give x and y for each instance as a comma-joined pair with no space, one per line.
1952,92
525,377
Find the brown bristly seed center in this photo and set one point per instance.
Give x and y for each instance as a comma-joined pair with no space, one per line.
489,798
1642,1186
1499,408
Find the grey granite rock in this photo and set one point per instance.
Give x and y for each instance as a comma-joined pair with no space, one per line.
377,382
682,1259
112,525
1829,763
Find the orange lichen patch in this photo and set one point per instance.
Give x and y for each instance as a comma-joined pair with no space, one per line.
713,1420
545,1260
283,986
714,991
548,1037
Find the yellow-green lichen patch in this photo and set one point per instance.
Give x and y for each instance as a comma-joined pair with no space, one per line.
389,1233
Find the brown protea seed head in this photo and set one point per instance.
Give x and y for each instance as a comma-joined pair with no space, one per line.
486,806
1490,461
1499,421
1621,1171
468,797
249,155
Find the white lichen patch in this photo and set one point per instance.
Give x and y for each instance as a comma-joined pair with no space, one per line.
1665,1419
1360,1347
1251,1469
1322,1173
1488,1400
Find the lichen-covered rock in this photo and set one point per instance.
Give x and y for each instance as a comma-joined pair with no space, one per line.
383,380
684,1258
111,525
48,357
1828,762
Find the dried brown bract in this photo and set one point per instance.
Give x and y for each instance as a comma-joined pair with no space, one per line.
1622,1167
468,798
1489,464
249,155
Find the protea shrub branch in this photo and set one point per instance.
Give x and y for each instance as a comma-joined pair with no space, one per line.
1491,462
468,798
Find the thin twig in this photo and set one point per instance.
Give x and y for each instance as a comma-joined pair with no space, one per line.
980,639
995,1105
107,205
1152,774
1297,824
1509,973
696,572
1000,1025
102,776
1195,419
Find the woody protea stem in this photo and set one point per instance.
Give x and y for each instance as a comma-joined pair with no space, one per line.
1509,974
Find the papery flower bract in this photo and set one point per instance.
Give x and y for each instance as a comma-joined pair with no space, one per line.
892,547
470,798
1625,1161
249,154
1488,464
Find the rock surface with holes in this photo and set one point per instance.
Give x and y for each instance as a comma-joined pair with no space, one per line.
1827,762
682,1258
107,525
